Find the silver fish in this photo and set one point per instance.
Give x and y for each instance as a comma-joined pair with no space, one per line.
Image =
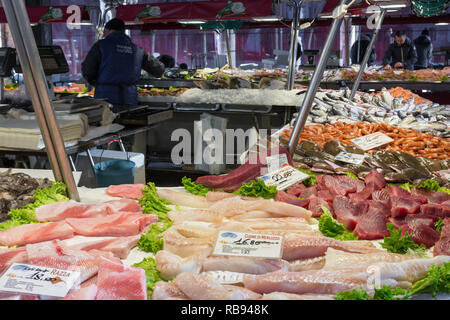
340,110
386,97
367,98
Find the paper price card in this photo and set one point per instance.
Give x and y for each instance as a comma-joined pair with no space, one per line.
284,177
372,141
38,280
350,158
230,243
276,162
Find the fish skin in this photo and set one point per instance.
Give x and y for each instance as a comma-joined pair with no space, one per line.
305,282
240,293
307,264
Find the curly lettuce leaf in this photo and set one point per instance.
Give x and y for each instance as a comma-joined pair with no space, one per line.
436,281
152,275
351,175
384,293
333,229
194,188
55,193
312,177
395,243
152,203
257,189
356,294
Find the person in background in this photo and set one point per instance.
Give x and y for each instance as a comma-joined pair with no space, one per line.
168,61
183,66
424,49
401,54
299,53
113,65
359,49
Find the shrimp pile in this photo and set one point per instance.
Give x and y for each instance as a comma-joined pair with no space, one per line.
408,141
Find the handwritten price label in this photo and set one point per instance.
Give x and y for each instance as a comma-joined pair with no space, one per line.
38,280
284,177
350,158
231,243
372,141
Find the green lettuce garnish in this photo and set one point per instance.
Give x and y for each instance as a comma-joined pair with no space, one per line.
438,225
194,188
395,243
55,193
152,203
436,281
312,177
333,229
351,175
151,241
257,189
384,293
152,275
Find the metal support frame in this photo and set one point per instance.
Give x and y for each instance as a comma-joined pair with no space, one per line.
315,82
34,77
363,65
294,42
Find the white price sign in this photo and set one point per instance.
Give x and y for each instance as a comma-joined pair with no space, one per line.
350,158
230,243
372,141
38,280
276,162
284,177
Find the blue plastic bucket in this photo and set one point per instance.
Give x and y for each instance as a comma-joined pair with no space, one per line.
114,172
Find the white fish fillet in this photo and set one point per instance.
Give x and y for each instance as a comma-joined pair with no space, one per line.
202,287
235,206
167,291
307,264
240,293
183,199
244,264
252,215
293,296
405,272
303,247
170,265
185,247
195,231
340,260
205,215
305,282
272,223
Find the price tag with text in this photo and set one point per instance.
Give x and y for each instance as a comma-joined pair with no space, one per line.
372,141
276,162
284,177
230,243
350,158
38,280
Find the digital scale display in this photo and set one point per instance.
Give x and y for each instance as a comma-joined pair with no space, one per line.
53,60
7,61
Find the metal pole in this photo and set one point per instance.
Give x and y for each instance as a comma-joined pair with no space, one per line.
314,85
367,55
227,40
347,41
36,83
294,43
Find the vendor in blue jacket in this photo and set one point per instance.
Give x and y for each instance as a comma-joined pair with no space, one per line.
114,64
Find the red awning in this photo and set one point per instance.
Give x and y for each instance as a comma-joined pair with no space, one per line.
57,14
205,10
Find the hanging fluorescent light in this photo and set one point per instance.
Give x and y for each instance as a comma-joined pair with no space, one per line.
192,21
266,19
392,6
326,16
442,24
